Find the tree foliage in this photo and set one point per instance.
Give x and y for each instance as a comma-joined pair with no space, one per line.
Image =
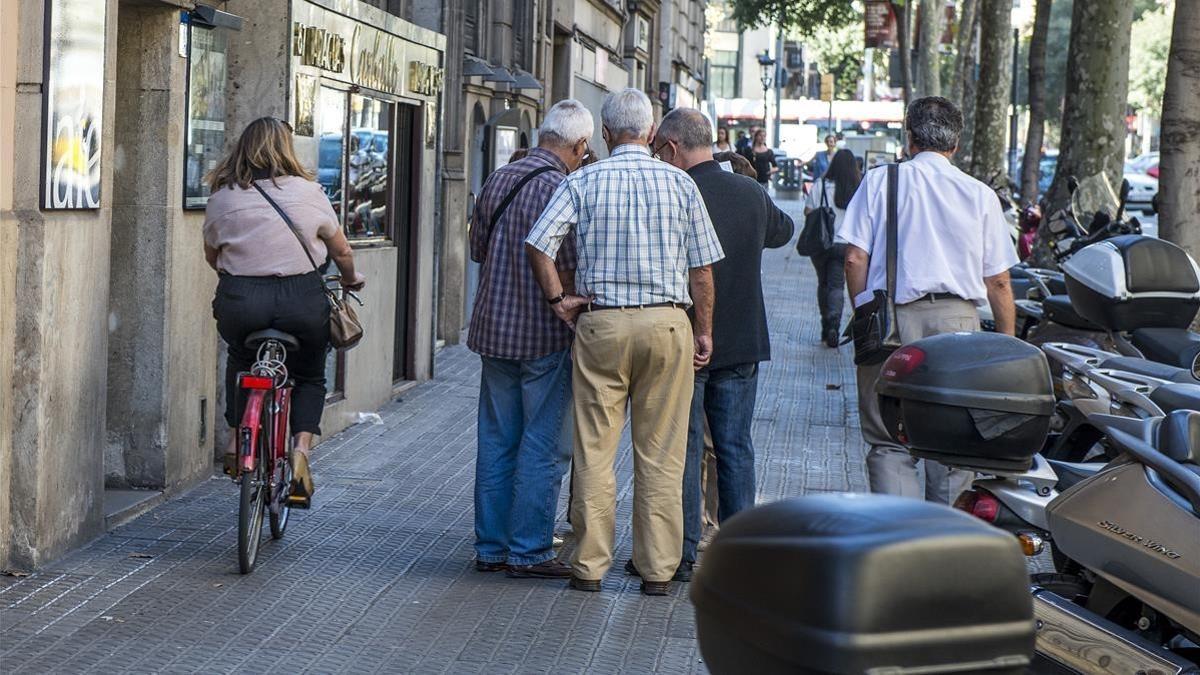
1148,53
840,51
803,17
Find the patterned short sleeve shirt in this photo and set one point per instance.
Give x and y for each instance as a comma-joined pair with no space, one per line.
639,224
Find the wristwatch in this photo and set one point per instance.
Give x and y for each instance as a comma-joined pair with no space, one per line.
557,299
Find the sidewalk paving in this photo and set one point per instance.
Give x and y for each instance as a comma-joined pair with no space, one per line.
377,577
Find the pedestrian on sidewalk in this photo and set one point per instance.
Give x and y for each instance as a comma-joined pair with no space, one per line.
953,255
265,275
763,158
525,382
834,189
646,247
746,221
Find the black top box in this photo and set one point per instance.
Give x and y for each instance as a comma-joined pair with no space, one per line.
862,583
980,401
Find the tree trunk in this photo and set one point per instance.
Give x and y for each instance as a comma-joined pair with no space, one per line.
929,32
1093,123
968,82
1179,167
1031,164
964,48
991,100
902,26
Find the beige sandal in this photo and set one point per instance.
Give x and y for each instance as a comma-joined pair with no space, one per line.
302,483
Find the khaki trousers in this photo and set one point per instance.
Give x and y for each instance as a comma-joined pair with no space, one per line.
640,358
890,468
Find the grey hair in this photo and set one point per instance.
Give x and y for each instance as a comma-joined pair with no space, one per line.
688,127
627,113
933,123
566,123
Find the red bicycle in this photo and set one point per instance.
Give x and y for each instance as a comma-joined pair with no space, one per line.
264,443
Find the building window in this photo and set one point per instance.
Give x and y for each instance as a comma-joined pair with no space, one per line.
723,74
368,175
520,28
471,27
205,131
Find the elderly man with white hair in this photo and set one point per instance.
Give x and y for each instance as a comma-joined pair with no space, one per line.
646,247
525,383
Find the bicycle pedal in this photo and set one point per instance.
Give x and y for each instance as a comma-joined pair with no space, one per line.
299,502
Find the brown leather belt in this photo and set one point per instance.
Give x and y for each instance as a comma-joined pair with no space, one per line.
591,307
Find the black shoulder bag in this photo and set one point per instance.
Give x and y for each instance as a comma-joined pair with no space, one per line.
873,328
817,236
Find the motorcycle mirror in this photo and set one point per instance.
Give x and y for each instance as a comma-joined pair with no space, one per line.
1125,190
1058,226
1072,184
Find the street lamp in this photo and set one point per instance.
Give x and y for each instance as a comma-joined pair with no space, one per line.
767,66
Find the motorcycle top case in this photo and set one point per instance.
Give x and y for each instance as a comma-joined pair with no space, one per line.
1132,282
980,401
862,584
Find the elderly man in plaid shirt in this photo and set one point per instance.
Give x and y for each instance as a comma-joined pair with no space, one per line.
645,248
525,383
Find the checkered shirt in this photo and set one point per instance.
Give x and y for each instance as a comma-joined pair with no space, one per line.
640,225
511,318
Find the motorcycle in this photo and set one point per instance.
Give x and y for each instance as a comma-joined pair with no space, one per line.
1124,533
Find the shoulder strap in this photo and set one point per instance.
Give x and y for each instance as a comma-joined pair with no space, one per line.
512,194
824,194
893,190
290,224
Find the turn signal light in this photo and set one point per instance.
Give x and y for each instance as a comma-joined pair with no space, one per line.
256,382
1031,543
979,504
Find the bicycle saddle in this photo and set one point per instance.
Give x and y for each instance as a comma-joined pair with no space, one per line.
255,339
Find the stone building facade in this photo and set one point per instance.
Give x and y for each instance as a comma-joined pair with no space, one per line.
111,112
111,370
550,50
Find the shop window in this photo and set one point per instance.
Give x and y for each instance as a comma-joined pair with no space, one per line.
207,48
368,179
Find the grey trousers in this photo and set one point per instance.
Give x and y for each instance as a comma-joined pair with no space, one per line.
890,468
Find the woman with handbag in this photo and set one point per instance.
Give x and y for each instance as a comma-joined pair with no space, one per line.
834,191
266,224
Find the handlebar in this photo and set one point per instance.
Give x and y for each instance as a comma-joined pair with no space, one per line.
337,287
1110,230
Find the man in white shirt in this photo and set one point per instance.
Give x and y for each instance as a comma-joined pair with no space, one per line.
953,255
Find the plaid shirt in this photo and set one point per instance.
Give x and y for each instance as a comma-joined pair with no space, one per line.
640,226
511,319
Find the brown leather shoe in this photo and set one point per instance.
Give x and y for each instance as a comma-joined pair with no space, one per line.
485,566
656,587
682,573
589,585
549,569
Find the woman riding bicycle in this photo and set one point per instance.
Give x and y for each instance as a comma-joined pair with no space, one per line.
265,279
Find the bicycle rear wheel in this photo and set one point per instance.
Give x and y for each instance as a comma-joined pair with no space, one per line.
281,485
252,505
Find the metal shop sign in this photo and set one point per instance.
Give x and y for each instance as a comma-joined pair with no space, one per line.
424,78
375,60
318,47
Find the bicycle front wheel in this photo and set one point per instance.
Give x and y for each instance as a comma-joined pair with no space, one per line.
250,515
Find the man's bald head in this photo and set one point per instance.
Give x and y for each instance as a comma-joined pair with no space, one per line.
688,127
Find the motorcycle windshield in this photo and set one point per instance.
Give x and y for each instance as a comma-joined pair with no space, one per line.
1093,195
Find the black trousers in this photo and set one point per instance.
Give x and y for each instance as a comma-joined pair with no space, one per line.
831,286
295,305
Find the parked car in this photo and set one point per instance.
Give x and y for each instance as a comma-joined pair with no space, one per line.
1143,187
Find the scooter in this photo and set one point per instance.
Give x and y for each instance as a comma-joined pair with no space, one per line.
1124,534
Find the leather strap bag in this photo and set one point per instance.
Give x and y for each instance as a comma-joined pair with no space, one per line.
873,328
512,194
345,330
817,236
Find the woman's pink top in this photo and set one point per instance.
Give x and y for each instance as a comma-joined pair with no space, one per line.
253,241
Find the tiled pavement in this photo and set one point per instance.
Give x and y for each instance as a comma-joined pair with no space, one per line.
377,576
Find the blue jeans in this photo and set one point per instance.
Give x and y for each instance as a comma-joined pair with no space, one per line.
520,461
726,396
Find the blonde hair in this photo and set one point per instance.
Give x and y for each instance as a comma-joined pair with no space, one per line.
265,147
